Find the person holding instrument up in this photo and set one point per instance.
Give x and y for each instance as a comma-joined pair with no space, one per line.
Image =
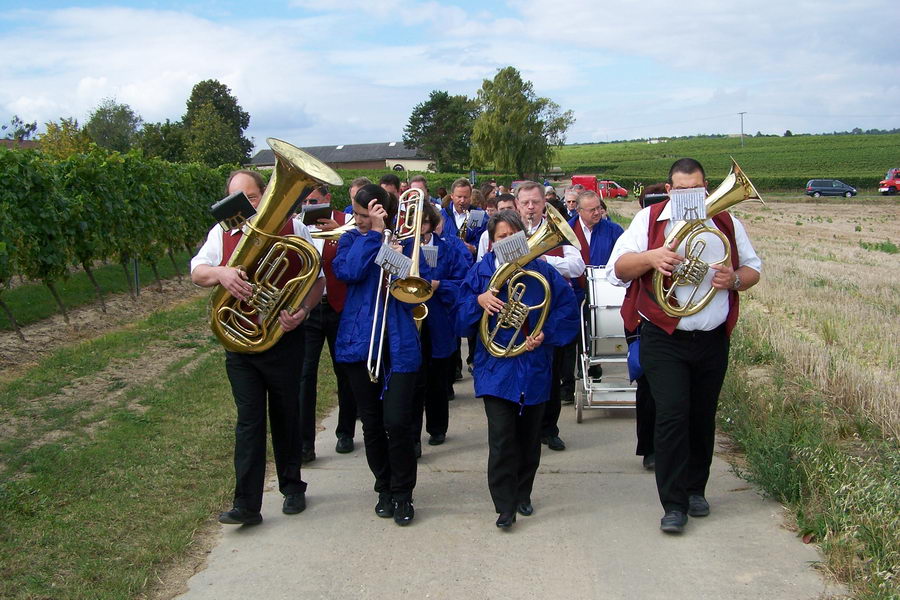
515,388
385,407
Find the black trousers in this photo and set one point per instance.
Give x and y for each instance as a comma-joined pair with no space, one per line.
387,423
268,380
432,397
645,417
514,451
685,371
320,326
562,387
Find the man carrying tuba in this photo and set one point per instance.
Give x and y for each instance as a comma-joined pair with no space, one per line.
268,379
515,388
685,358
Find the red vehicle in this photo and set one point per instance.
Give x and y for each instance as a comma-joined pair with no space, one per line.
891,183
604,188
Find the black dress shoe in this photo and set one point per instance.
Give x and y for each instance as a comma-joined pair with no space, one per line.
403,512
344,445
385,506
437,439
673,521
698,506
649,462
525,508
294,503
308,455
554,442
240,516
506,520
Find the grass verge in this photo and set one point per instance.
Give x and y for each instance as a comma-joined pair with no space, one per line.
102,491
836,472
32,302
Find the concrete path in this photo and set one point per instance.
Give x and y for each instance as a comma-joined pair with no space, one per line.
594,534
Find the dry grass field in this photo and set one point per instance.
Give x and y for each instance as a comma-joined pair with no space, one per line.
829,298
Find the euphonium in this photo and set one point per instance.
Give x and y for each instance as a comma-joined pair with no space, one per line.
735,189
252,325
552,233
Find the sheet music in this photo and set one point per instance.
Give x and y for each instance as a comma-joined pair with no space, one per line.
393,262
510,248
688,204
431,255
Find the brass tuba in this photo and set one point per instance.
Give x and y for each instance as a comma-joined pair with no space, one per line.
552,233
252,325
735,189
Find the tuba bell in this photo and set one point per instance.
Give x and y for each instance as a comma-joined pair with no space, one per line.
552,233
252,325
735,189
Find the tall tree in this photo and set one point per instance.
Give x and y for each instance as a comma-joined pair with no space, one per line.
113,126
210,140
17,129
218,95
516,129
63,139
442,128
163,140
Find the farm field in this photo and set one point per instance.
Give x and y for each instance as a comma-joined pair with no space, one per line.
782,163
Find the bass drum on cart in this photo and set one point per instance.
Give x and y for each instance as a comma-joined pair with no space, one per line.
604,303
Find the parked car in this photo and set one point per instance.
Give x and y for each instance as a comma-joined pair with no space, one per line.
891,183
604,188
829,187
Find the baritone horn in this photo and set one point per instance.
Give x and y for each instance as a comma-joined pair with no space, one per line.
252,325
552,233
690,273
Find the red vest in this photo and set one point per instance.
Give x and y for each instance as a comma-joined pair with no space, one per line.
335,289
230,242
585,252
641,300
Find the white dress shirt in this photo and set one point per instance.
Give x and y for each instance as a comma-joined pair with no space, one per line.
483,244
570,264
716,312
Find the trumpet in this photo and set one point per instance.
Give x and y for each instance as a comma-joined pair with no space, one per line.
411,289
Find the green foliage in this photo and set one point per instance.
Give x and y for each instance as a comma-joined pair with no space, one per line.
63,139
17,129
210,140
516,130
113,126
234,118
885,246
772,163
442,128
162,140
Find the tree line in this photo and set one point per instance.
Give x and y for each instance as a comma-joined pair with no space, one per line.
506,127
97,207
211,131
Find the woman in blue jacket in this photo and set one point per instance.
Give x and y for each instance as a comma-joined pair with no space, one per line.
385,408
438,331
514,389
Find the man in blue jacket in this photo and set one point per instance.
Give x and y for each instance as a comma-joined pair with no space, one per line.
386,407
514,389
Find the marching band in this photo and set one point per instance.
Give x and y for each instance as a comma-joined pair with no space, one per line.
394,285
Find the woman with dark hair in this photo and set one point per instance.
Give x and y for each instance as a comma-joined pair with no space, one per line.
386,407
444,264
514,389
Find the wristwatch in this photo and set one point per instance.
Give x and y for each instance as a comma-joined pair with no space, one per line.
737,282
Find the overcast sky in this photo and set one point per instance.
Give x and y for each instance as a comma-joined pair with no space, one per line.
320,72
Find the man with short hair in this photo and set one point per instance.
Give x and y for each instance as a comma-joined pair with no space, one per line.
684,359
455,215
263,382
571,195
355,186
390,182
531,203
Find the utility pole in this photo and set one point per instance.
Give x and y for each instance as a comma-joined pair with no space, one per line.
742,127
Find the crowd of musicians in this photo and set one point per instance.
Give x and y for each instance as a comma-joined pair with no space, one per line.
682,361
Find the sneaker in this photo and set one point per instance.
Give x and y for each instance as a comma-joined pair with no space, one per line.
698,506
385,506
673,521
240,516
403,512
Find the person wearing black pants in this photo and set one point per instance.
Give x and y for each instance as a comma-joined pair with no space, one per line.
514,452
684,358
